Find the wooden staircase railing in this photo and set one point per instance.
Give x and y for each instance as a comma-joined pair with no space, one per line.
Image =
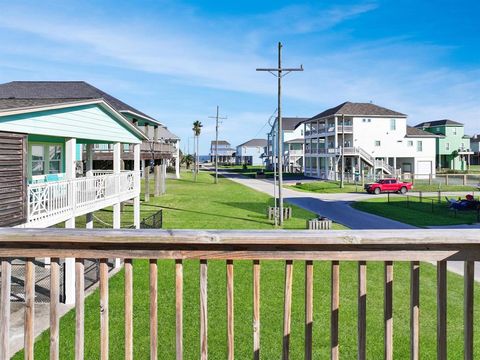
361,246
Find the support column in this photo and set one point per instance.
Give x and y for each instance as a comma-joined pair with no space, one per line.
116,171
117,151
157,178
177,160
136,199
70,167
89,169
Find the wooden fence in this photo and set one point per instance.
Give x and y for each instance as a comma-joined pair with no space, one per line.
414,246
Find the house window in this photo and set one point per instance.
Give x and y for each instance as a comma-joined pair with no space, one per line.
46,159
38,159
54,159
393,124
410,143
419,146
447,146
369,120
454,131
378,143
364,120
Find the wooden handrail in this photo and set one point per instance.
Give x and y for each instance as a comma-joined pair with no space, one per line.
334,246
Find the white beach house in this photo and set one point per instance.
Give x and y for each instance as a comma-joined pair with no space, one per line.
292,140
372,139
250,152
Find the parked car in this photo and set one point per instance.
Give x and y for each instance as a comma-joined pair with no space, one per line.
388,185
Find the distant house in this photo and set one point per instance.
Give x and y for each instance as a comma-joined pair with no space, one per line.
372,139
250,152
474,144
293,159
226,154
161,145
453,146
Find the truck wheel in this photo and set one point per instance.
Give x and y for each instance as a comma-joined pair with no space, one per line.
377,191
403,190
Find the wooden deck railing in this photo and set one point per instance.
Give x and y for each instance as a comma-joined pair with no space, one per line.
413,246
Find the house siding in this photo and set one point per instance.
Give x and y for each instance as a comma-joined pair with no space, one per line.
13,202
89,122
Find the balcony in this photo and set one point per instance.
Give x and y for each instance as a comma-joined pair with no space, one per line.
147,150
259,247
55,201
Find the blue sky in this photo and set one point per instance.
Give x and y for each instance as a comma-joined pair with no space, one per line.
177,60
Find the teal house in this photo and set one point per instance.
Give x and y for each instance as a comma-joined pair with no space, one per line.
41,182
453,149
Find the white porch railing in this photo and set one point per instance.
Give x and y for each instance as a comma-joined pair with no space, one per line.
52,202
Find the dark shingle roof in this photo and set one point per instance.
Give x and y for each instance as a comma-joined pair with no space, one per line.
358,109
6,104
35,93
416,132
255,142
164,133
444,122
290,123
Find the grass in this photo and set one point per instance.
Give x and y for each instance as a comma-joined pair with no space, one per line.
334,187
411,211
223,203
251,171
203,205
326,187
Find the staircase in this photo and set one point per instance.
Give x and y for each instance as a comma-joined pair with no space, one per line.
369,159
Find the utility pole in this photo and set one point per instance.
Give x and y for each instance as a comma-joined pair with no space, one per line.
275,204
216,141
279,73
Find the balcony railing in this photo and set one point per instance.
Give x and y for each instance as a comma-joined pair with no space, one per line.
55,201
361,246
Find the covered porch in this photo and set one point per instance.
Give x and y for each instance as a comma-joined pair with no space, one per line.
66,191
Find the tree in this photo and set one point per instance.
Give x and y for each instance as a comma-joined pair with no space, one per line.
187,160
197,129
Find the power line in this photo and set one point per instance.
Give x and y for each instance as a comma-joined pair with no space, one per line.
266,122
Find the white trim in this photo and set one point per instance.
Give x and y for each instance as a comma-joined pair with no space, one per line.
156,122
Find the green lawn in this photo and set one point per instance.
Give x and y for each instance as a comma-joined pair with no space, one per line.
203,205
325,187
229,205
334,187
410,210
251,171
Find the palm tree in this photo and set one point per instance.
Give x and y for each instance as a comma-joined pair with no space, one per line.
187,160
197,129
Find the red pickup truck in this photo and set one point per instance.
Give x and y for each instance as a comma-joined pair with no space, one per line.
388,185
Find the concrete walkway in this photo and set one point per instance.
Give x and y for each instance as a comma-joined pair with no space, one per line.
337,208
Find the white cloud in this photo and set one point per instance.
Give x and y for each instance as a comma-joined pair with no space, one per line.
223,55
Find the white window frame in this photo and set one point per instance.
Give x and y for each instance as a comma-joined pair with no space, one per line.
46,157
419,145
378,143
393,124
